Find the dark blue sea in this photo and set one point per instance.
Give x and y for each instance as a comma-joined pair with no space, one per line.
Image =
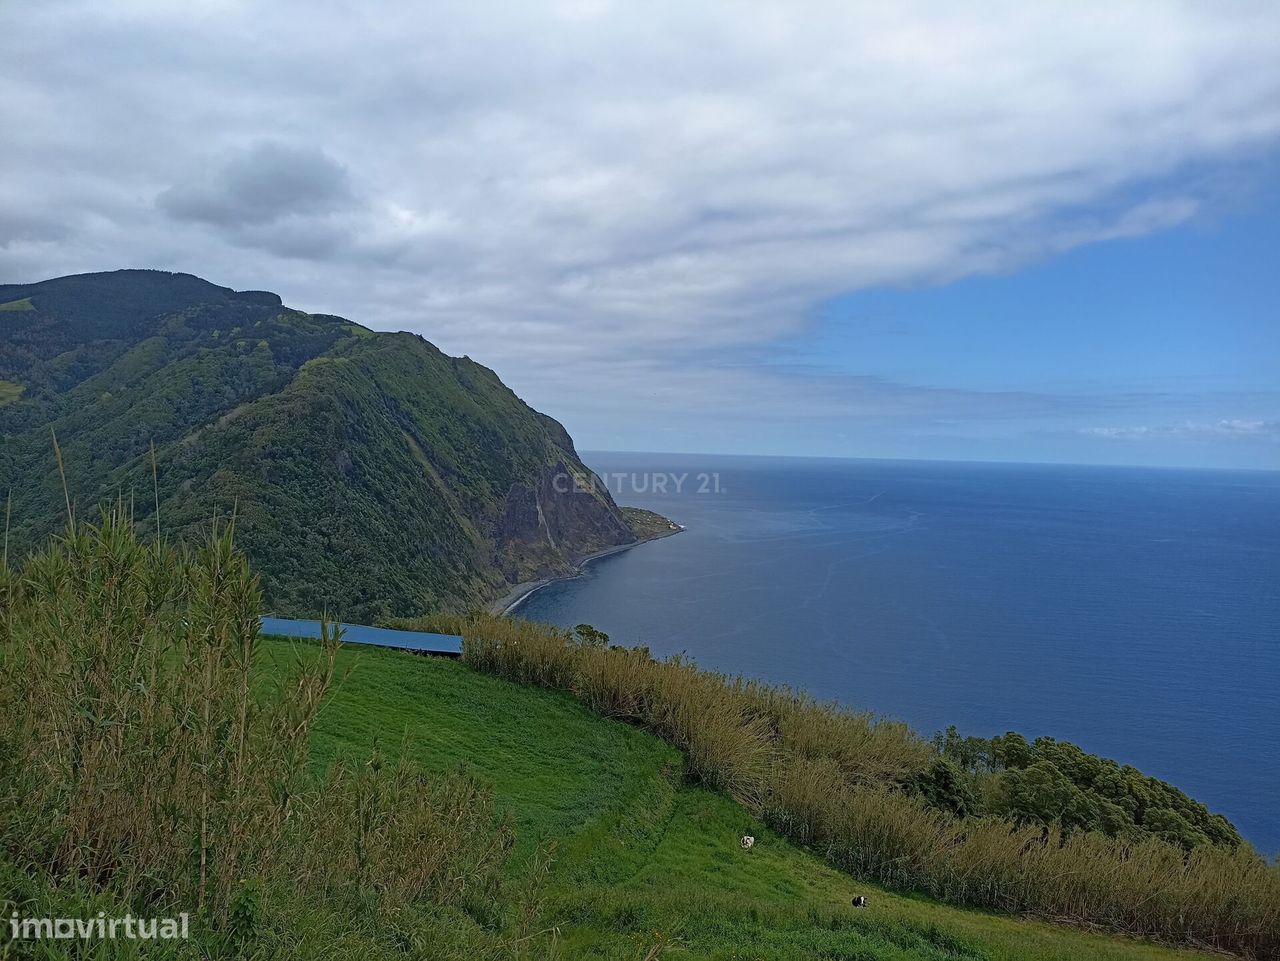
1133,611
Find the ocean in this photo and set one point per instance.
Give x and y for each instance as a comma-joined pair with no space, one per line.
1133,611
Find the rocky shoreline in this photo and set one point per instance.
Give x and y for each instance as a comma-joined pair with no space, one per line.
513,598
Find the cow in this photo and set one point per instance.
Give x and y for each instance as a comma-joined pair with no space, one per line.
859,901
748,842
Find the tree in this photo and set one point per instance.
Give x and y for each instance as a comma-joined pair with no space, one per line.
1011,750
943,785
589,636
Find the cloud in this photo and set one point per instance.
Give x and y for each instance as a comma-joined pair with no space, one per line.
30,227
261,185
1227,429
620,189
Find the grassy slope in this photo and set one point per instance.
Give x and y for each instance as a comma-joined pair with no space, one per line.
638,850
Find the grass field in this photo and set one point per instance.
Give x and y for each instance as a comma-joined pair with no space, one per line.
642,858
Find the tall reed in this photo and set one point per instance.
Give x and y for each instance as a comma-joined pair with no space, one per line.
142,753
835,780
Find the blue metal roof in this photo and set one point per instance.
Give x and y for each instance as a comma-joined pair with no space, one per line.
361,634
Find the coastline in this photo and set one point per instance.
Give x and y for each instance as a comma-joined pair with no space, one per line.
518,594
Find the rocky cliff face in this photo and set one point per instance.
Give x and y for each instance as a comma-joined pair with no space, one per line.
552,520
369,473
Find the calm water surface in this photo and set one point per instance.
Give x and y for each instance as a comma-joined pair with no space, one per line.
1132,611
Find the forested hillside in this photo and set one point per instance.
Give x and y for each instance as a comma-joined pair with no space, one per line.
369,473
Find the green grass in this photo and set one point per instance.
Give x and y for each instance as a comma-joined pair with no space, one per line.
22,305
641,855
9,392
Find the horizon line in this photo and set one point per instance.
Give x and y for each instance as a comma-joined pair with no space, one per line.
934,460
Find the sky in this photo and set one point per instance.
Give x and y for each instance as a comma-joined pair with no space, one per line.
1002,231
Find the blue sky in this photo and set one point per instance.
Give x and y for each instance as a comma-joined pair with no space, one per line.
1199,303
1039,231
1176,332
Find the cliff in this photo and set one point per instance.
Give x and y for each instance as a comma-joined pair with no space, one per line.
368,473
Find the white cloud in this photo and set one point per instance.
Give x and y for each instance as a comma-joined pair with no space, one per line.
1228,429
616,187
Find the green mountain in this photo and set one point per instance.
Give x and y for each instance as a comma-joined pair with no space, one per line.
369,473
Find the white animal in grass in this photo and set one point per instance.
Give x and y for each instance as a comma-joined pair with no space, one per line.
748,842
